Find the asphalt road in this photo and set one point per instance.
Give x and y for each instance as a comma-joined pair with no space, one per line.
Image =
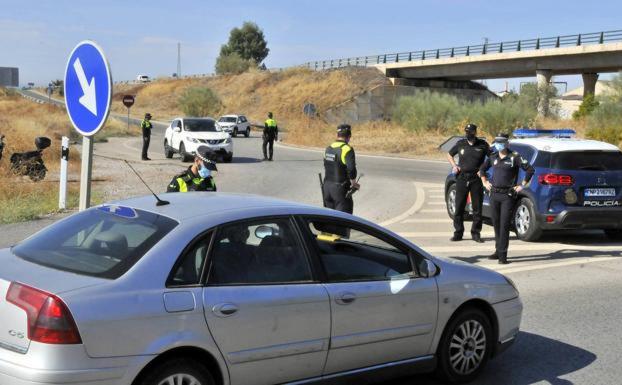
569,282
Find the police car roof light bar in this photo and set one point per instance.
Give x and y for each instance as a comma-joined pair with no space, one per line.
539,133
160,202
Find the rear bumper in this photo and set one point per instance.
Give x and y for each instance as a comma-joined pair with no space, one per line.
17,375
585,218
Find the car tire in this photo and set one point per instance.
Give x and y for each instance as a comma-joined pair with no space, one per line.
450,201
614,235
191,372
228,158
235,132
168,151
525,221
460,362
182,153
247,133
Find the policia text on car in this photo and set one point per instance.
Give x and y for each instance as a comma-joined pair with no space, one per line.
340,172
505,165
270,134
471,153
197,177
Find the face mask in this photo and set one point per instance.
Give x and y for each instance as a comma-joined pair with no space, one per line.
471,137
204,172
500,146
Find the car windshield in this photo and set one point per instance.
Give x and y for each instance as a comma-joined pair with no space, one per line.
104,242
200,125
227,119
587,160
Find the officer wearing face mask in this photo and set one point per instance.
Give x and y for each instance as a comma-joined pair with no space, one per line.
471,153
197,177
504,190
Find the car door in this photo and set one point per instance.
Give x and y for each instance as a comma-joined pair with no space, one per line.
268,316
176,133
382,310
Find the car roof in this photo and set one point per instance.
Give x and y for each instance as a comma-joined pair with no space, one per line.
565,144
231,116
194,118
193,204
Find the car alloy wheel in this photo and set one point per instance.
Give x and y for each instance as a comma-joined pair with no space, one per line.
522,219
180,379
467,348
451,201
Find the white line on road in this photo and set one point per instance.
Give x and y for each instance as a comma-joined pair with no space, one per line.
517,269
420,235
489,245
430,211
419,200
441,203
428,220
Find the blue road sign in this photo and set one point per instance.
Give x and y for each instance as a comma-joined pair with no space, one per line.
88,88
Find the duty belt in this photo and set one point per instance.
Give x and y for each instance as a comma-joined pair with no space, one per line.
501,190
468,174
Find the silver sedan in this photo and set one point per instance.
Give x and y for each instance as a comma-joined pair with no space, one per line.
242,290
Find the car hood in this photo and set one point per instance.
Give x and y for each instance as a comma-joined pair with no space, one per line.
15,269
208,135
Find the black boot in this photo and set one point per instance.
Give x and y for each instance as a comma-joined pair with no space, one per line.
477,238
456,237
493,256
503,259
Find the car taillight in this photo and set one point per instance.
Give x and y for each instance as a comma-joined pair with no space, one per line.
49,319
556,179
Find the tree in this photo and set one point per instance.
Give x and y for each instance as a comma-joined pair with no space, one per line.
248,42
200,102
588,105
233,64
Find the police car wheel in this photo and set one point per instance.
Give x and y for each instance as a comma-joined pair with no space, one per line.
465,347
182,371
615,235
450,200
525,221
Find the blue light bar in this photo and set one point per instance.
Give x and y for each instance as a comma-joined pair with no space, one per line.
537,133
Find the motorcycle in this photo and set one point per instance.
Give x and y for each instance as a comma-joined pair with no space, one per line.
30,163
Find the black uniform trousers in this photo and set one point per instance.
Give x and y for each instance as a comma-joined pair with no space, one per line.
335,197
268,145
146,141
501,205
468,183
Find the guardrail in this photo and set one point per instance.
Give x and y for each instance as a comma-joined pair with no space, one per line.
471,50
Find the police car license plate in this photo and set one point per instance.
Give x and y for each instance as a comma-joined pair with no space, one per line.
600,192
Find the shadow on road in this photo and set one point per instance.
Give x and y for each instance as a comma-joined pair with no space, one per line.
558,255
245,159
533,359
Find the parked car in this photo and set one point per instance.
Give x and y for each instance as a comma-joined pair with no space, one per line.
235,289
235,124
577,185
143,79
184,135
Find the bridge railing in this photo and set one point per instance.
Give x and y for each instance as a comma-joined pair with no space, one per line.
472,50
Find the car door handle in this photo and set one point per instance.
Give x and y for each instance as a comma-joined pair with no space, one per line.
225,310
345,298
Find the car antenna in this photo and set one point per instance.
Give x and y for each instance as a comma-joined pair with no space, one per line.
160,201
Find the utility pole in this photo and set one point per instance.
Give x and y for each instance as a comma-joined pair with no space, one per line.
178,60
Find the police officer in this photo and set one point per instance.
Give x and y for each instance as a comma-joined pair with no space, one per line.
503,190
270,134
340,172
146,127
198,177
472,152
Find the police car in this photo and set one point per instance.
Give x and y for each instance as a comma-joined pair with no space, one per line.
577,185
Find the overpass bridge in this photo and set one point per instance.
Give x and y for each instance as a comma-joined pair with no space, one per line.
587,54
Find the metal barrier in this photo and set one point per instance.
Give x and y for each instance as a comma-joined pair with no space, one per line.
472,50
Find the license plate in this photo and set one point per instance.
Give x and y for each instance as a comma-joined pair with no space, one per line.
600,192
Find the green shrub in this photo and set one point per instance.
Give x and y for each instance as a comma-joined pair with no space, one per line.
605,121
588,105
233,64
200,102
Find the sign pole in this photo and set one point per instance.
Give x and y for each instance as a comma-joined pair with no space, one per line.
128,119
86,171
64,160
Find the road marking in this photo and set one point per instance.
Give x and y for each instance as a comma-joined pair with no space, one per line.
518,246
517,269
419,200
430,211
428,220
441,203
421,235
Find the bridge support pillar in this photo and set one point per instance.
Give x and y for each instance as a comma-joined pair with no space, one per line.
589,83
544,79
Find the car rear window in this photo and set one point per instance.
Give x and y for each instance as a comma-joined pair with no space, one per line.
586,160
104,242
227,119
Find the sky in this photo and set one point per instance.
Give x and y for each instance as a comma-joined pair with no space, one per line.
141,37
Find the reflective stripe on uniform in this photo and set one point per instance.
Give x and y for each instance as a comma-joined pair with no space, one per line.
271,123
183,187
345,149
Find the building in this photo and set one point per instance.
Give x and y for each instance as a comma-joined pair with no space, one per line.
9,77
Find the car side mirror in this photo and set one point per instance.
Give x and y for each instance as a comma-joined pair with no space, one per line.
177,129
428,269
262,232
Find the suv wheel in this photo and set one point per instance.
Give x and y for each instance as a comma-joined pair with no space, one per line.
615,235
450,200
180,371
182,152
168,151
228,158
247,133
235,132
525,221
465,347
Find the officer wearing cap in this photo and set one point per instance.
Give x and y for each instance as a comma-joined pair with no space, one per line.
340,172
146,127
270,134
198,177
503,190
471,153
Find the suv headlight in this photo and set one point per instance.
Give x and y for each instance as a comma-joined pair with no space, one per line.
193,140
228,140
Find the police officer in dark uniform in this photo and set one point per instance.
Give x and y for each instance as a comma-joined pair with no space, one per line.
340,172
504,190
198,177
270,134
471,152
146,127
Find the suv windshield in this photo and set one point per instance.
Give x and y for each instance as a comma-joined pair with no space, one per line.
103,242
200,125
227,119
587,160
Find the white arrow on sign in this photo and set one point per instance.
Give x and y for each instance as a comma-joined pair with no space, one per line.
88,100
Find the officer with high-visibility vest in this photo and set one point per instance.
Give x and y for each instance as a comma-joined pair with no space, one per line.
198,177
146,127
340,172
270,134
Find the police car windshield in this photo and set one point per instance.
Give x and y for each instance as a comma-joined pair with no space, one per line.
102,242
227,119
200,125
587,160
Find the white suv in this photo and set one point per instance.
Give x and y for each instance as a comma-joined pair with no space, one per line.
235,124
184,135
